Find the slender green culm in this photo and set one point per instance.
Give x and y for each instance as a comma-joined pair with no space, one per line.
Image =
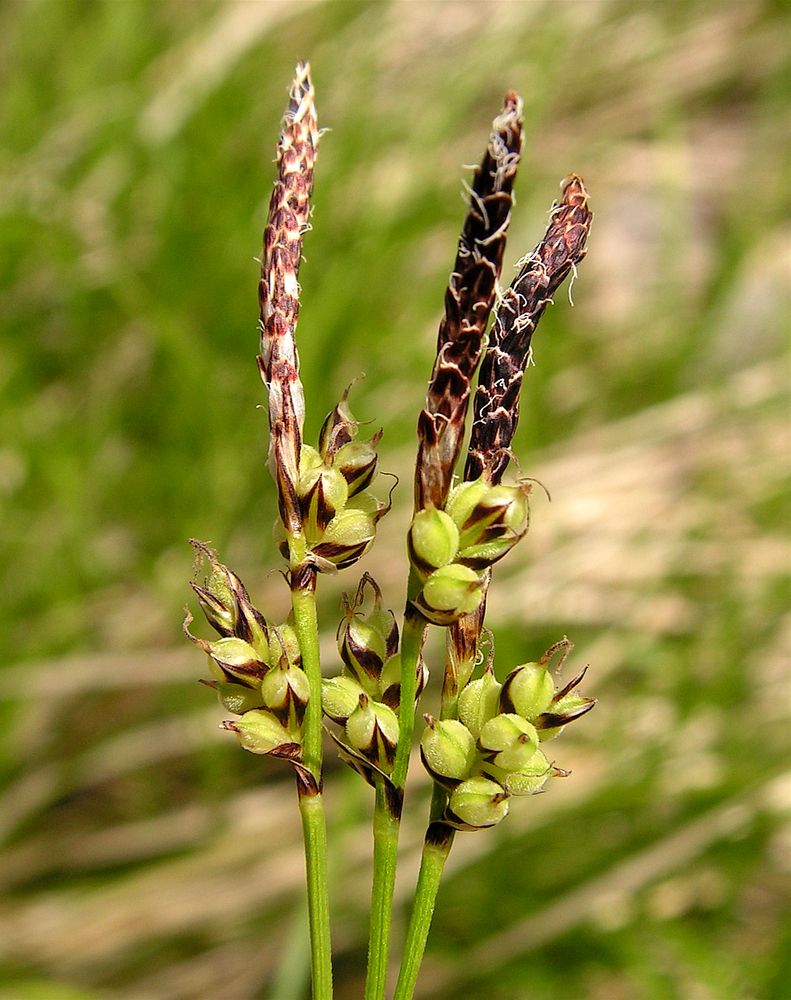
387,807
436,849
311,800
411,650
314,831
385,833
306,626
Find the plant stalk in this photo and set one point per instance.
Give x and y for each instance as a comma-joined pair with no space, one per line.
439,840
311,805
463,637
389,801
385,829
314,830
411,647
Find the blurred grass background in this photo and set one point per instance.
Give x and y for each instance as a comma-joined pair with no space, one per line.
144,856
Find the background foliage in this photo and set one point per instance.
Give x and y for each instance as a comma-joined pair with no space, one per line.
143,854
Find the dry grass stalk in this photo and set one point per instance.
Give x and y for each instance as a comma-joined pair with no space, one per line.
278,291
496,409
468,304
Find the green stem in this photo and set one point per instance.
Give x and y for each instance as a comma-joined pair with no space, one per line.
386,824
387,811
311,805
411,647
314,830
439,840
303,604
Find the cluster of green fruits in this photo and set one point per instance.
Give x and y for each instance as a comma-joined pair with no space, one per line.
339,514
256,667
364,698
452,549
495,748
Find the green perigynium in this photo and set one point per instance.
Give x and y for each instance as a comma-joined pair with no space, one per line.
479,701
433,540
260,732
528,690
477,803
340,696
448,750
286,692
508,741
561,712
322,492
372,730
529,779
355,460
367,639
347,537
449,593
490,519
234,659
284,644
236,698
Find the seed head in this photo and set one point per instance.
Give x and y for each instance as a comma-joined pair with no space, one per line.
468,303
278,291
496,409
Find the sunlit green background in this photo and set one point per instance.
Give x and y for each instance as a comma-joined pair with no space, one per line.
144,855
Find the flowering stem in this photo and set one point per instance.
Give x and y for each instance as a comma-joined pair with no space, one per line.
389,800
439,840
311,805
461,650
386,825
314,831
411,647
303,604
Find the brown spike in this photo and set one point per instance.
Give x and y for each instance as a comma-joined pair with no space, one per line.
496,408
278,291
468,303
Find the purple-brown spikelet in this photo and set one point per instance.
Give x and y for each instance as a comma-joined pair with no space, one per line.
278,291
468,303
496,408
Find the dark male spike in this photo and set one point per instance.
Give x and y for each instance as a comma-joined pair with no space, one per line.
468,304
278,290
496,408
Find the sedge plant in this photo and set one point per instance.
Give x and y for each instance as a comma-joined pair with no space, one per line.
490,744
